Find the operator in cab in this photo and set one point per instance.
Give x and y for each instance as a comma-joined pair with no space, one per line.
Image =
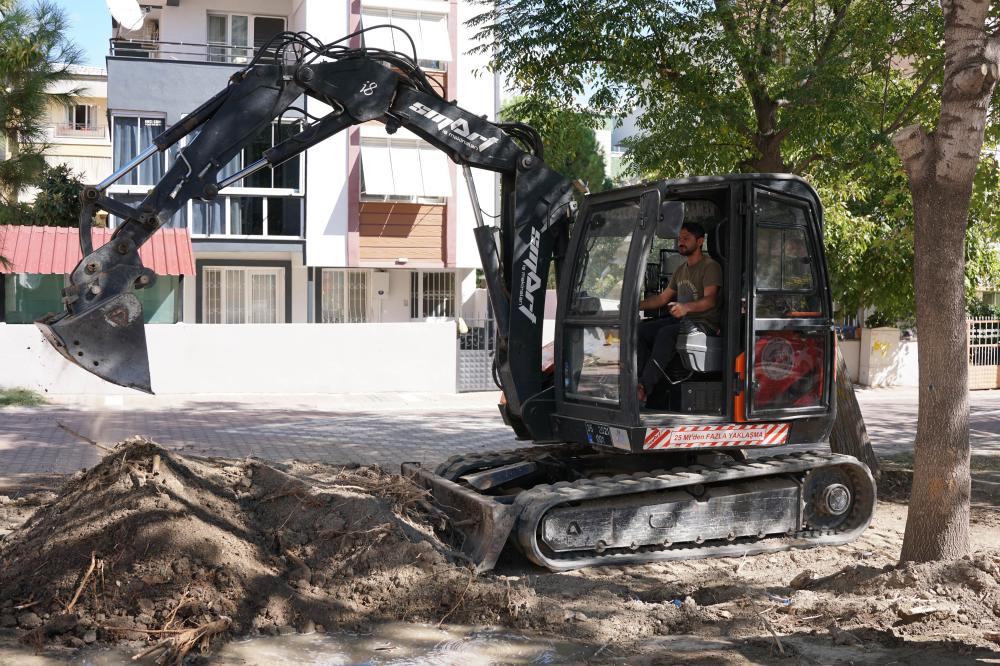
692,301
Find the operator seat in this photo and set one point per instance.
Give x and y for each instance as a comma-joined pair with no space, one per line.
699,351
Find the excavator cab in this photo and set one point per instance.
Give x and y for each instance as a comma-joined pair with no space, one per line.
764,231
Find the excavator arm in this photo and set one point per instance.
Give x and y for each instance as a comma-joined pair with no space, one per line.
102,329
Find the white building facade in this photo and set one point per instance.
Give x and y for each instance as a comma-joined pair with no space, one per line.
363,228
359,253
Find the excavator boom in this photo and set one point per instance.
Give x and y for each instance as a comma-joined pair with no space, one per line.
102,328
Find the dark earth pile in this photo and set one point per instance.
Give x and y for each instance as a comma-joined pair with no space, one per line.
149,544
169,553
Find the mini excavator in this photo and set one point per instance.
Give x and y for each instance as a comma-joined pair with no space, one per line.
606,479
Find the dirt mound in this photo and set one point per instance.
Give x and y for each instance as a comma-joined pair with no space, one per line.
917,600
168,553
152,546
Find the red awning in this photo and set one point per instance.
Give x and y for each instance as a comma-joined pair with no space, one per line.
56,250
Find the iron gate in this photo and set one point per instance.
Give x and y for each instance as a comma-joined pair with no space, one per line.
984,353
476,350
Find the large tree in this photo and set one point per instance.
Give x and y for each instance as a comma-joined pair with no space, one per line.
35,55
753,85
941,161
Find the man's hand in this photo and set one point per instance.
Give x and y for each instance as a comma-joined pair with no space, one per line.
678,310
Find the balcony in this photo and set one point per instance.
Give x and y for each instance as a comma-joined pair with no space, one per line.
78,131
149,49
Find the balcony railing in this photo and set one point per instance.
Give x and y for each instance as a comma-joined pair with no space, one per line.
79,131
147,49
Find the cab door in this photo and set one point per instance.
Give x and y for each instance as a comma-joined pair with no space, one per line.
595,369
790,337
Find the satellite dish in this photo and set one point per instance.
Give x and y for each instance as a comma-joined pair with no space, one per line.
127,13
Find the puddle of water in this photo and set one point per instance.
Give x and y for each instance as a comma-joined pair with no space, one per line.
389,645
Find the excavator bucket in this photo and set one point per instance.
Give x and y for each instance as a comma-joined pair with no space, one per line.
108,340
483,522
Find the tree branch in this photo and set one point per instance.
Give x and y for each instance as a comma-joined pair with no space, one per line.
901,117
913,146
825,48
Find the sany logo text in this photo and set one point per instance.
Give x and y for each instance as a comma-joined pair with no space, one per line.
457,125
531,281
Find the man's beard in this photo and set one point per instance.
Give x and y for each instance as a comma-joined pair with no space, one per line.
686,251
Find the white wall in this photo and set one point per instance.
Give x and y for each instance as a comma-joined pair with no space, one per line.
254,358
394,306
326,163
188,22
851,350
881,359
477,93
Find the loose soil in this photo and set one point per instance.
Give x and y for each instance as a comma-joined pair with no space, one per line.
169,554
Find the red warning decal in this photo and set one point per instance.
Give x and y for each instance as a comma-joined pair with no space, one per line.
693,437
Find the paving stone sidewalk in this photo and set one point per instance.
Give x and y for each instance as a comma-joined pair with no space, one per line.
386,429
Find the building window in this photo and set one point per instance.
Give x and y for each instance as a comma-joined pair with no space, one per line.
402,169
432,294
30,296
131,135
428,31
230,36
344,297
286,176
246,208
241,295
80,116
160,303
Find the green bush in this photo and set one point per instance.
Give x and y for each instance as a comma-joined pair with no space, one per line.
19,397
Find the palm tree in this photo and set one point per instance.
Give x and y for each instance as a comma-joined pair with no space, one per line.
35,54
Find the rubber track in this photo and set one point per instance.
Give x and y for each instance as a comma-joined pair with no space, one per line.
534,504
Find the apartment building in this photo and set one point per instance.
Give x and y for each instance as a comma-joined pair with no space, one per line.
77,134
363,228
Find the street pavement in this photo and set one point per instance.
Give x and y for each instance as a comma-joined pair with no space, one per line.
386,429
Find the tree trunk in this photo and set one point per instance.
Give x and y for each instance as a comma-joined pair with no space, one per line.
8,193
849,434
941,165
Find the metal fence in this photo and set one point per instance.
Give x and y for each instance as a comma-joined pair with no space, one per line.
984,352
476,351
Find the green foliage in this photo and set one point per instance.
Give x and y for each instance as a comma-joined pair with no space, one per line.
869,237
976,307
15,213
19,397
571,146
58,201
813,88
729,85
35,55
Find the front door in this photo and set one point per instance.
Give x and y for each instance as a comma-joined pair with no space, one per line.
790,328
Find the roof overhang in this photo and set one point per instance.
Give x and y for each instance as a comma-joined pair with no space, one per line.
56,250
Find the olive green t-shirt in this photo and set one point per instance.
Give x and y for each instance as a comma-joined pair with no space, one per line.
690,281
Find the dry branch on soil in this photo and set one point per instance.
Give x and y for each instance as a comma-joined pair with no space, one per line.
175,648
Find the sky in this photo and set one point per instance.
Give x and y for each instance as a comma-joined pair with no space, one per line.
90,28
